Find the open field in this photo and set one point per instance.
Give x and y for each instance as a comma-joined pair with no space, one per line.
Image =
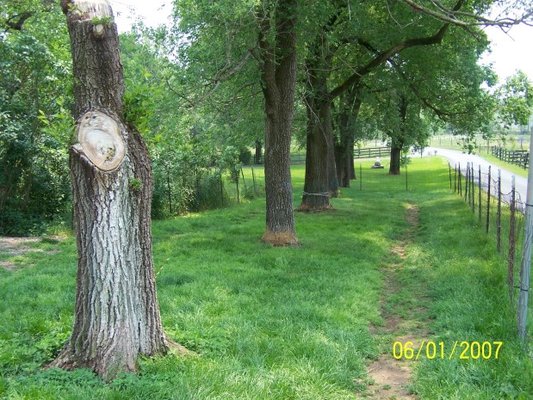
290,323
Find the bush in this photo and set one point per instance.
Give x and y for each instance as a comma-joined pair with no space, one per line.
209,193
245,156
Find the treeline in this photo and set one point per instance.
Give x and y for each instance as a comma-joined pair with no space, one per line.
233,76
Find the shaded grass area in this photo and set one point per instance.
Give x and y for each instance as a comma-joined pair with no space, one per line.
283,323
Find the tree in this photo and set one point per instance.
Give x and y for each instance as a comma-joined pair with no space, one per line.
336,33
348,110
516,100
218,41
35,124
117,314
357,24
278,75
320,171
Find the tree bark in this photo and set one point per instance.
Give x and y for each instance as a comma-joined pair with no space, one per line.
317,189
258,156
348,112
320,171
398,137
279,82
117,314
395,159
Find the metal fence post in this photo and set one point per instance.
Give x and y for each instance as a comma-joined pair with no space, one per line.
472,188
455,178
479,192
499,214
450,175
460,184
488,201
512,241
467,183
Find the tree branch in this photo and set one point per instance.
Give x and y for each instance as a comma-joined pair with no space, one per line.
466,19
228,71
16,22
383,56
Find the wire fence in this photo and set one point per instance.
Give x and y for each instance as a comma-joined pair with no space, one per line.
500,213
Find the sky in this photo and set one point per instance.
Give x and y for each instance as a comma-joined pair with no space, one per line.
152,12
510,52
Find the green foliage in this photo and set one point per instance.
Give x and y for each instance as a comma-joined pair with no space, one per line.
516,100
189,148
245,156
101,20
135,184
35,125
230,160
209,193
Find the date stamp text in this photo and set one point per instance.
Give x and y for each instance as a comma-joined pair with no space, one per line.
462,350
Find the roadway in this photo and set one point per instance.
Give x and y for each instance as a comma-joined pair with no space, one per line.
456,157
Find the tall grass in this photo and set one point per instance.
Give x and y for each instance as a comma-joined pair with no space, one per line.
282,323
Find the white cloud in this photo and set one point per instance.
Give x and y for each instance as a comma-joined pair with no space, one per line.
512,51
151,12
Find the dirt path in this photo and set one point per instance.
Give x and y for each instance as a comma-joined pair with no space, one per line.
16,246
390,378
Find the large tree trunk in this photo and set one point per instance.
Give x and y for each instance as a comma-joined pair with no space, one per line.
333,182
317,190
348,112
395,159
258,156
320,171
398,137
279,81
117,314
343,176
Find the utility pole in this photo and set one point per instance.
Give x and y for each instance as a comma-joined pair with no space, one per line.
525,267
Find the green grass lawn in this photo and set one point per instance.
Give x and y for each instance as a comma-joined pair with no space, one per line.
285,323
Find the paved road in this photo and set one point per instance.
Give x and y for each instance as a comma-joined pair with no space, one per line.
456,157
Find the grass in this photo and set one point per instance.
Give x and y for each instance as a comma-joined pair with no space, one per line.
513,168
284,323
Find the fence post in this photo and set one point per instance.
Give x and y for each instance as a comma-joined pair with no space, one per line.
169,190
479,193
488,201
460,184
406,181
525,264
243,181
499,214
221,188
450,175
467,183
472,188
253,180
455,178
360,176
512,241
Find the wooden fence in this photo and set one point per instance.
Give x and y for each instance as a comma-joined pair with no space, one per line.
367,152
517,157
371,152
